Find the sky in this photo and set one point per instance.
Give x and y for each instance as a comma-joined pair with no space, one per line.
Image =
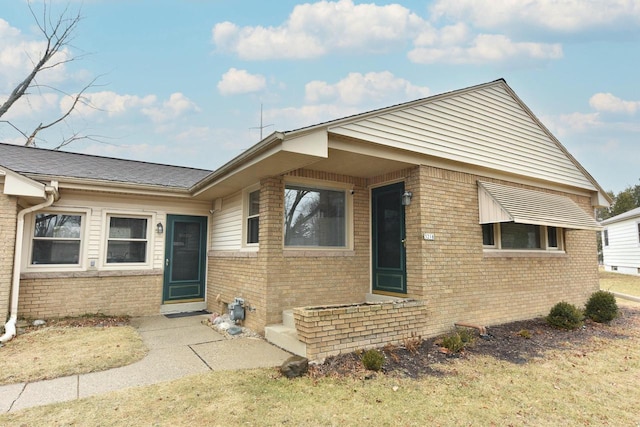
184,82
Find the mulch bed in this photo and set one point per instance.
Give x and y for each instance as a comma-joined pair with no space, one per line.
516,342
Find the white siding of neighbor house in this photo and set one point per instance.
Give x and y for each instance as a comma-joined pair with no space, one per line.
623,250
226,225
484,127
95,207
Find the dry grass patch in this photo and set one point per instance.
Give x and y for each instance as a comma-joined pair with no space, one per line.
622,283
53,352
588,382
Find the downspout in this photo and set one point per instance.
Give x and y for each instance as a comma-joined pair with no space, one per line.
10,326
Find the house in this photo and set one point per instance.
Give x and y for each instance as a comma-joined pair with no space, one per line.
621,242
399,222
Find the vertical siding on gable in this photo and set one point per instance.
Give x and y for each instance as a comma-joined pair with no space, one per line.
485,127
226,225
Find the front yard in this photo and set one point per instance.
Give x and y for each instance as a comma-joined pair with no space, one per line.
585,377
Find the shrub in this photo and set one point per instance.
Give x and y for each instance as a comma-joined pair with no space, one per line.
373,360
467,336
601,307
565,316
453,342
525,333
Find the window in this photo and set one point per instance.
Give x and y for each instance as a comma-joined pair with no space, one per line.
127,242
253,217
517,236
605,237
314,217
638,232
56,238
488,234
552,237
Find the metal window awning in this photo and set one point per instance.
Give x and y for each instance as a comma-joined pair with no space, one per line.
503,203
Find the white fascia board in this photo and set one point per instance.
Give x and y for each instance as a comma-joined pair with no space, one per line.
312,144
19,185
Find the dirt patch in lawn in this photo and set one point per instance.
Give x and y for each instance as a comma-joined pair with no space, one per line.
516,342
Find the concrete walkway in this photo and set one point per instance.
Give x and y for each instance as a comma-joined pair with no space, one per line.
177,348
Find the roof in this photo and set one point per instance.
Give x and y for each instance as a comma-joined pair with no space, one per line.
633,213
59,165
503,203
485,126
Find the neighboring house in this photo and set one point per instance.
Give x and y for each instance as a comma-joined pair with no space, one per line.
621,242
399,222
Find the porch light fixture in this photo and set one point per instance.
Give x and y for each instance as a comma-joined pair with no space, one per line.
406,198
159,228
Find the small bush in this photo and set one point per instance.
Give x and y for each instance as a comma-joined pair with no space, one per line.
467,336
453,342
373,360
601,307
565,316
525,333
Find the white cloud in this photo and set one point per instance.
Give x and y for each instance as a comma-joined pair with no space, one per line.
314,29
563,16
30,105
17,55
237,81
356,89
293,118
325,27
176,106
112,103
612,104
484,48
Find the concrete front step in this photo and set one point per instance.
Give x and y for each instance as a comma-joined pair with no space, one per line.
286,338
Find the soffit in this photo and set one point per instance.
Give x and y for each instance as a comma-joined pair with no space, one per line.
502,203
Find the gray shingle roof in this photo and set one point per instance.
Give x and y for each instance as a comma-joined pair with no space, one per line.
37,161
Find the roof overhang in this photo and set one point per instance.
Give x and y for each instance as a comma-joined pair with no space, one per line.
275,155
20,185
502,203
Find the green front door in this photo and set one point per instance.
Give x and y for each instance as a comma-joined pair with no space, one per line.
387,236
185,258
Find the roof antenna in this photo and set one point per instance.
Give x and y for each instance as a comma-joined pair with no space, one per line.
261,127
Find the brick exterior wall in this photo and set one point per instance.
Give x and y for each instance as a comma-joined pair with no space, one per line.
50,295
329,331
460,283
8,215
454,278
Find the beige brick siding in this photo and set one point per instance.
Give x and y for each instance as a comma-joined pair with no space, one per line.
8,215
332,330
452,275
49,295
460,283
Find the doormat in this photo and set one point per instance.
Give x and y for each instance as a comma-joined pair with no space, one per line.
186,314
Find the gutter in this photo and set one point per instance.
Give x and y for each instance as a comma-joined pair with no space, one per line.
10,326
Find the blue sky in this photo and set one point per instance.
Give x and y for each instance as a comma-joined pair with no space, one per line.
181,82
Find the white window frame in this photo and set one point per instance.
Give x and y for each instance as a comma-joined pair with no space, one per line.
106,221
245,217
605,237
544,241
28,239
348,216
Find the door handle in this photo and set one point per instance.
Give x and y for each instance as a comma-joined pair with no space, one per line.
404,242
166,262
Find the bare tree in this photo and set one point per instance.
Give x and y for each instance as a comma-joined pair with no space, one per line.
58,34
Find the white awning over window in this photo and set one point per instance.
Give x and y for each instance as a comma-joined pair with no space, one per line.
502,203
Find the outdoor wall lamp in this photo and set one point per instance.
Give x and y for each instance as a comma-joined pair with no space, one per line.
159,228
406,198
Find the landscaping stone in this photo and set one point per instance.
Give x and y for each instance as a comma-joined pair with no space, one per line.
295,366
